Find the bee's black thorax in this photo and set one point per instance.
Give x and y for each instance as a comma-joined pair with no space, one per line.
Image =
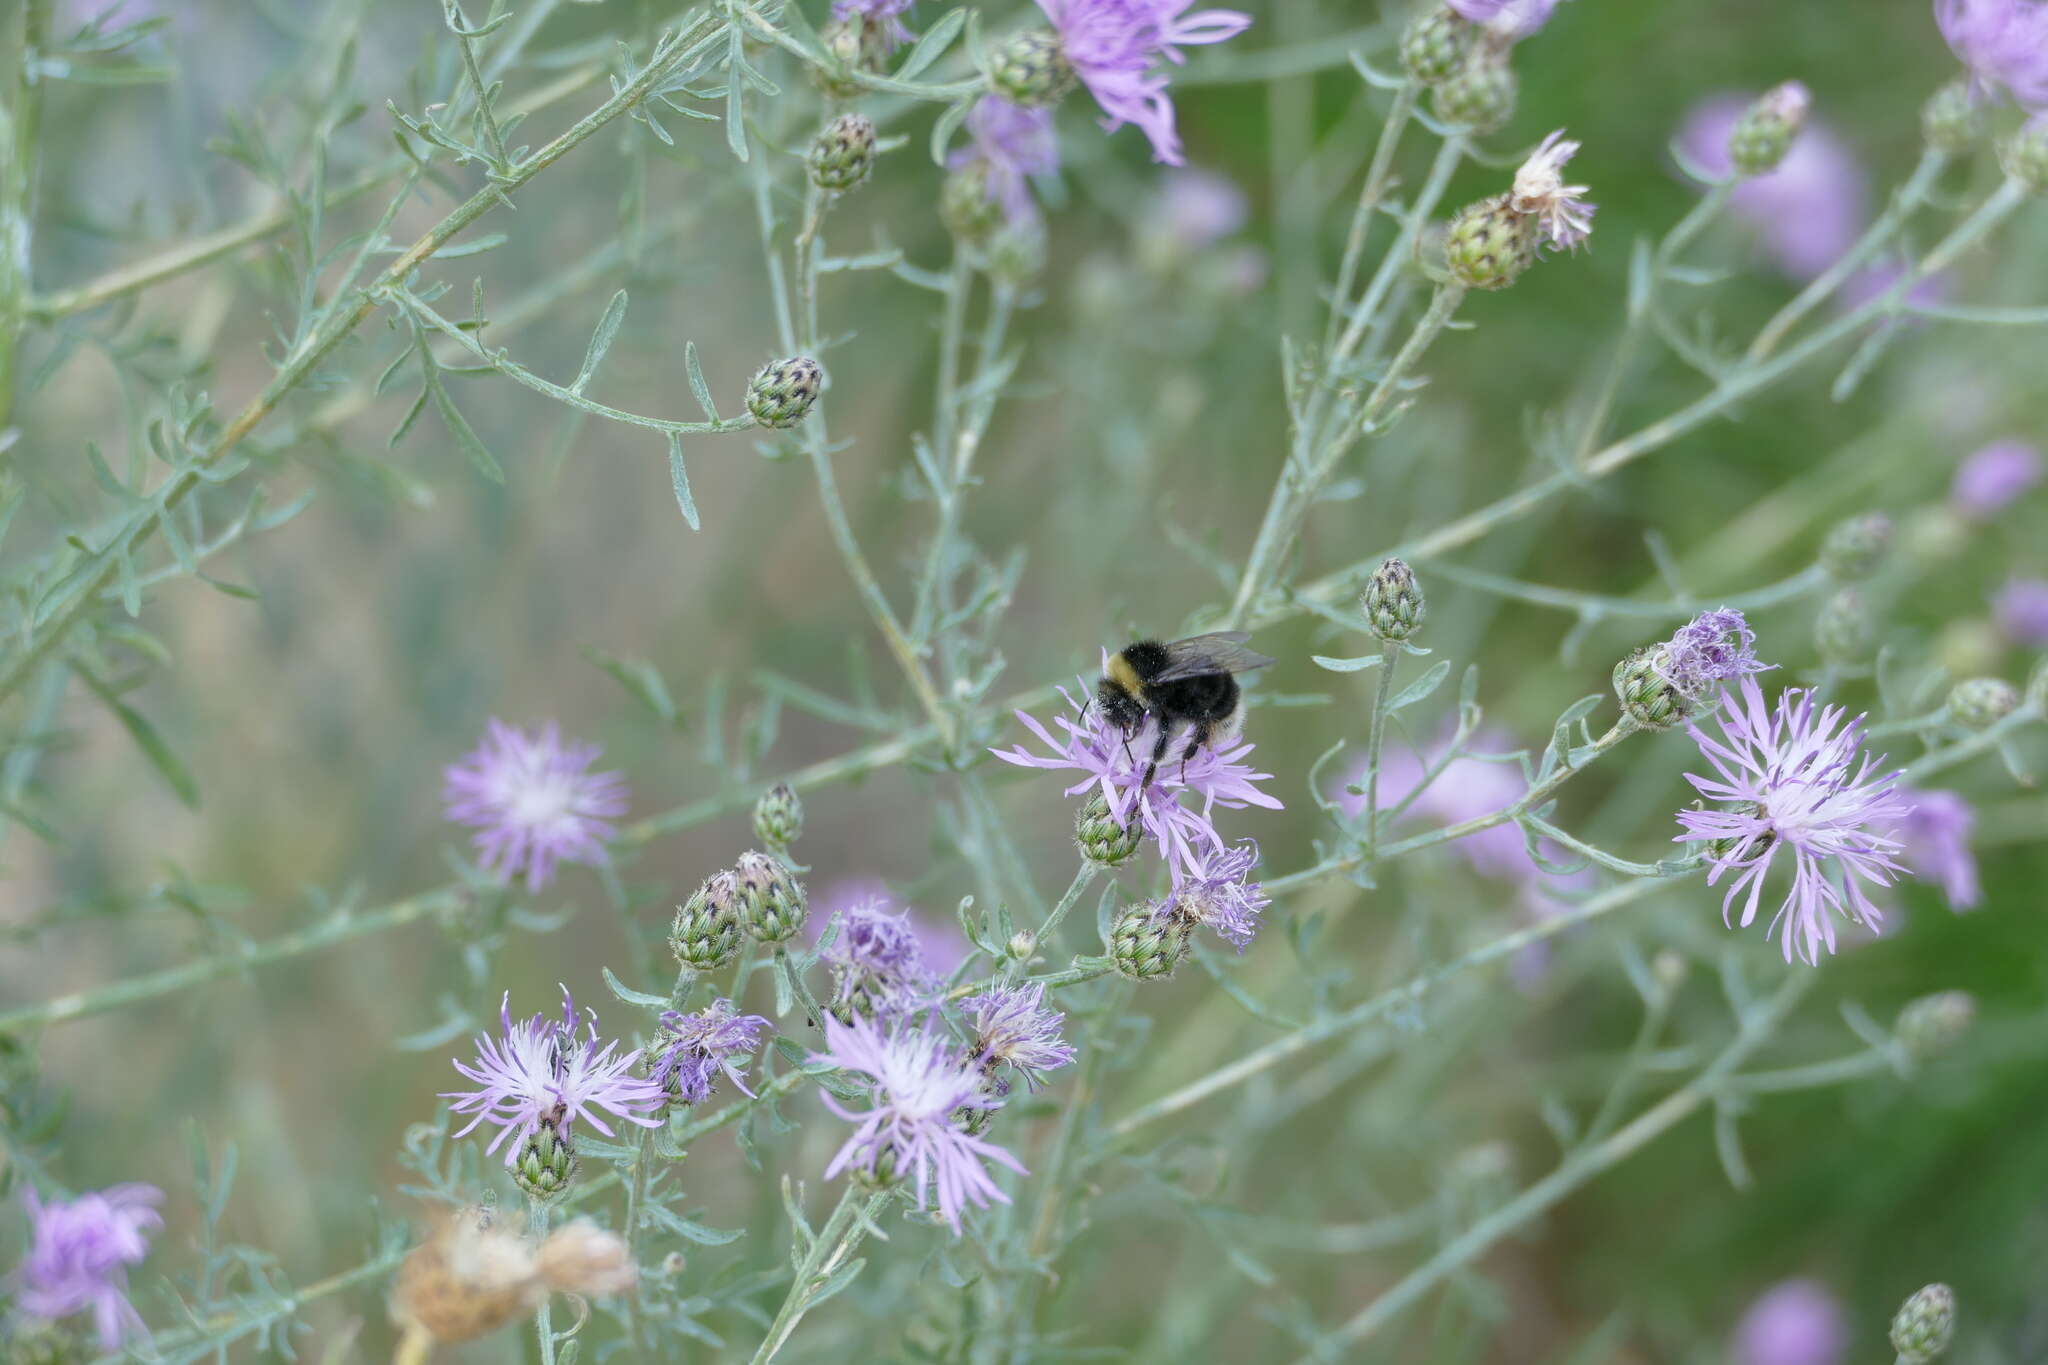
1147,658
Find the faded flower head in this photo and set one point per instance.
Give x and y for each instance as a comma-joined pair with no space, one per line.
2021,609
2003,43
79,1253
919,1083
879,966
545,1071
1012,1027
1796,779
1796,1322
1564,218
692,1049
1935,843
534,802
884,16
1808,210
1115,47
1510,19
1714,647
474,1274
1010,144
1991,479
1220,895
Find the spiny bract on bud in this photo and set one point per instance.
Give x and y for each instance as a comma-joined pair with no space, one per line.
779,816
1952,120
1845,632
1435,45
546,1165
1489,244
1479,95
966,207
783,391
1145,945
1392,601
1933,1024
1765,131
1979,702
706,931
1031,70
860,45
1646,695
1101,839
844,153
2024,155
1924,1324
772,903
1854,548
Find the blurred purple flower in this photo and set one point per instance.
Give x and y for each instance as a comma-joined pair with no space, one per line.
1936,844
2022,611
79,1253
1791,779
1469,786
940,940
1015,144
1012,1027
879,962
1873,280
910,1133
1114,46
1809,210
1515,19
1994,477
1714,647
1220,895
1796,1322
2004,43
541,1068
1565,217
885,15
533,802
695,1048
1199,208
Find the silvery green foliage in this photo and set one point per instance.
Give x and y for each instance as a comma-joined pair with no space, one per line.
413,243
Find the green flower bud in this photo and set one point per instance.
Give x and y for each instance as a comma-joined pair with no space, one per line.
1016,254
1933,1024
778,816
860,46
966,207
1435,45
1392,601
1031,70
844,153
1845,632
1102,840
1765,131
2024,155
1647,697
772,906
1980,702
1924,1325
1479,95
1021,946
32,1341
1489,245
1952,120
706,931
783,391
546,1164
1145,946
1854,548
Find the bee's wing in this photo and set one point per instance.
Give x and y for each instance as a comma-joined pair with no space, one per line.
1202,655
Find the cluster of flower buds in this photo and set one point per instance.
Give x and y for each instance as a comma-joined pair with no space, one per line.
783,390
1924,1325
1101,838
1764,133
1933,1024
1146,945
706,931
843,154
1392,602
1977,703
1854,548
779,817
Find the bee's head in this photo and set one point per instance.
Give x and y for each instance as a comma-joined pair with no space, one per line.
1119,706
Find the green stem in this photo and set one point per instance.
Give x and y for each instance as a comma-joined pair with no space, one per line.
1369,196
636,1194
21,130
225,1327
1983,741
1375,741
1814,1075
836,1241
543,1316
1623,1090
1084,877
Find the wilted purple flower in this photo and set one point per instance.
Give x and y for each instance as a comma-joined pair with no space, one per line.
2004,43
1809,210
1564,217
1791,779
919,1084
1012,1027
1114,45
541,1068
1992,478
1221,894
79,1253
1936,844
533,801
695,1048
1515,19
885,15
2022,611
1014,143
879,962
1714,647
1115,764
1796,1322
1468,787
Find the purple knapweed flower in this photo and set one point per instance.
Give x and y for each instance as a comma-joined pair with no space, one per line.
1114,46
541,1069
1468,787
1791,779
920,1082
78,1257
695,1048
2003,43
534,802
1198,208
1114,764
1563,216
1809,210
1713,648
1014,143
879,962
1513,19
1993,478
885,15
940,941
1220,894
1797,1322
1012,1027
2021,609
1935,842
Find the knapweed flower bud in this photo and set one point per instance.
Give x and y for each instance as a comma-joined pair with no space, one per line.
783,391
860,45
1845,632
1016,253
1924,1325
1980,702
1489,245
1952,120
779,816
966,207
1765,131
2024,155
844,153
1392,601
1435,45
1646,694
1854,548
1101,839
1933,1024
1480,94
706,931
546,1164
1146,945
771,901
1031,70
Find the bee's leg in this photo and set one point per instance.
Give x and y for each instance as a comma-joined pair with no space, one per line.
1203,732
1158,754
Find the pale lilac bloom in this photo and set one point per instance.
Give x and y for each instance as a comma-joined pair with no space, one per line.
1114,764
919,1083
1936,844
939,939
879,960
1469,786
534,802
1807,211
553,1070
1797,1322
1514,19
2022,611
1115,47
1714,647
885,15
1990,480
696,1048
1563,214
1014,143
2003,43
1796,779
1199,208
1220,895
78,1257
1012,1027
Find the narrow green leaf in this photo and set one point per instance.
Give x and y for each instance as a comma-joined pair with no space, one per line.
1357,665
945,126
601,340
641,679
466,437
477,247
1422,686
735,90
697,384
631,996
680,477
146,738
933,44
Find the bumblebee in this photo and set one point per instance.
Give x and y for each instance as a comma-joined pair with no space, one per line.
1188,687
